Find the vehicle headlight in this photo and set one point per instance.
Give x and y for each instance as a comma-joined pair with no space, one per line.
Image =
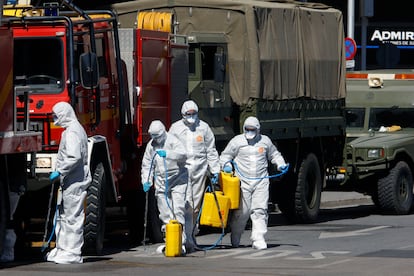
375,153
43,162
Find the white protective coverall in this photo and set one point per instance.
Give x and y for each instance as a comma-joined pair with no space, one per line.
251,157
72,164
169,191
202,157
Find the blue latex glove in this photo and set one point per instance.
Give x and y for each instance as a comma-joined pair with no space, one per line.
54,175
283,168
227,169
161,152
215,178
146,186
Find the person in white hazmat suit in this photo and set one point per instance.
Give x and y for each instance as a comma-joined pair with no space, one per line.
73,171
251,152
163,166
202,156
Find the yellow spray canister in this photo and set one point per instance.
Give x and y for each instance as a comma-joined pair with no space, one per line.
210,215
173,239
230,185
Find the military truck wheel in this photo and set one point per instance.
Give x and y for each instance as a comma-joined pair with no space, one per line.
308,190
94,227
4,212
395,191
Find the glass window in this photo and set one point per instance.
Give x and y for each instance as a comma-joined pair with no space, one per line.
355,117
38,63
403,117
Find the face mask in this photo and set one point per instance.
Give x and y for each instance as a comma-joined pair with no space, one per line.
190,119
159,139
250,134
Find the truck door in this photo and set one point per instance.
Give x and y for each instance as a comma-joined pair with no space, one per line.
209,86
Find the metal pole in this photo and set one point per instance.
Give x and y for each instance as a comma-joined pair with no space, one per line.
351,18
364,24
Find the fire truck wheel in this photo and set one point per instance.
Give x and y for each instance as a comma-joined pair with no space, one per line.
395,191
4,201
308,189
94,227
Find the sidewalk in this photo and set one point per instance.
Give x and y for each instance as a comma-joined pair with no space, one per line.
332,199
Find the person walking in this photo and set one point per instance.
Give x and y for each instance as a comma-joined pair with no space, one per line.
72,169
163,166
251,152
202,159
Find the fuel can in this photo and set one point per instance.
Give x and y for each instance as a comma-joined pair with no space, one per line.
173,239
230,185
211,213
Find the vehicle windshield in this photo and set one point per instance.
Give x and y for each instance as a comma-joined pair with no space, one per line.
38,63
403,117
355,117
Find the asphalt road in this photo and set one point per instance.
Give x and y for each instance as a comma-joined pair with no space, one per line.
313,249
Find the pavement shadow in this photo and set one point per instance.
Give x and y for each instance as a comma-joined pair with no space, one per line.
329,214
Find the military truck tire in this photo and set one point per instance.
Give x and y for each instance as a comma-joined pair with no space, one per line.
395,191
308,190
4,212
94,227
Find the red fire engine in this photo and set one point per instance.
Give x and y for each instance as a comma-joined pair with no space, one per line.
14,143
117,86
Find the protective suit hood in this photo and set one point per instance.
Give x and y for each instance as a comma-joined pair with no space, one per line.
64,113
251,128
189,111
157,131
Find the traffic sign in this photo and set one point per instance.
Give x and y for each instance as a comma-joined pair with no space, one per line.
350,48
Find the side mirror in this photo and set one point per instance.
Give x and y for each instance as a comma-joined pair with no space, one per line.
89,70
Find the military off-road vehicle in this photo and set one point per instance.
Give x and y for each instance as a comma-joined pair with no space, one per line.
379,151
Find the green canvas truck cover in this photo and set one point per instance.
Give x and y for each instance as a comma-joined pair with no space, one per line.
276,50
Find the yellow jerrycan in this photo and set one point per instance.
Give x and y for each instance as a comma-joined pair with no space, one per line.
230,185
173,239
210,215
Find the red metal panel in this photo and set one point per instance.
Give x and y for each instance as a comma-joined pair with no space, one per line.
153,75
11,140
6,80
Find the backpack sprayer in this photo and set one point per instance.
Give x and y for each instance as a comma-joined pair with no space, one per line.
217,204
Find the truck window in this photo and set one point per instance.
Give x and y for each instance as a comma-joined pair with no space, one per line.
38,62
386,117
355,117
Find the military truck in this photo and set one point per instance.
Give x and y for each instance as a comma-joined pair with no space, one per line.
379,154
282,62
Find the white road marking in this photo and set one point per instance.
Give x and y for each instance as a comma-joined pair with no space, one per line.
326,235
318,255
268,254
333,263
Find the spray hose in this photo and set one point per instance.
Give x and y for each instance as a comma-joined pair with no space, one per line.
236,168
220,238
166,180
218,206
58,202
